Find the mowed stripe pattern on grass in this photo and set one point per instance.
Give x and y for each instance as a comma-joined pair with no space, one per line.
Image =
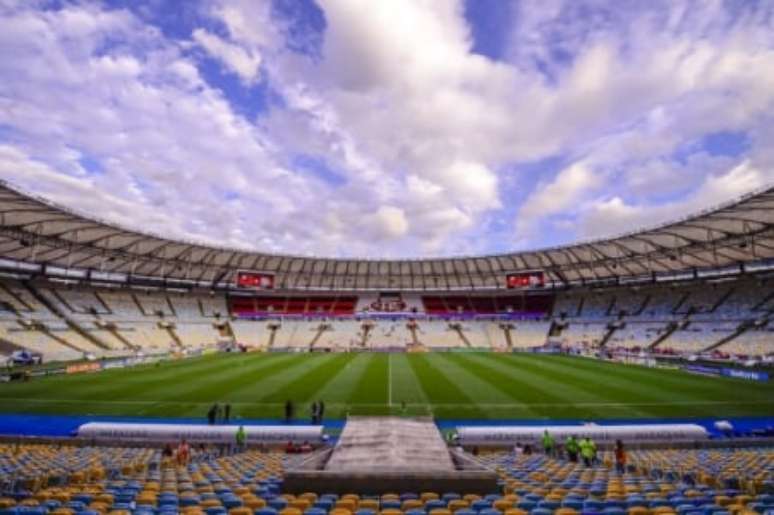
446,385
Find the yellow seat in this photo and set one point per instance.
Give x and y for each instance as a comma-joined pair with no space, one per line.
638,510
565,511
369,504
301,504
240,511
428,496
440,511
255,503
502,504
7,502
210,503
411,504
348,504
391,511
290,511
457,504
515,511
742,499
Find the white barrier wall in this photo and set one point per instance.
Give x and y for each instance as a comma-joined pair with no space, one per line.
511,435
269,435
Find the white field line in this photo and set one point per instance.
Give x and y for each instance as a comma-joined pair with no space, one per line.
389,379
18,400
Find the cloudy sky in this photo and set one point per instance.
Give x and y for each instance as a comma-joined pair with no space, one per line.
387,128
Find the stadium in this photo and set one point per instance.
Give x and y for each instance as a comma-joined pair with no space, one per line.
147,372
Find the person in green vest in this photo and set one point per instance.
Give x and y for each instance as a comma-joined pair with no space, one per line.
548,443
587,450
572,447
240,439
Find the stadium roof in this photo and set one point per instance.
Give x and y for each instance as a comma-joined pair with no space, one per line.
34,230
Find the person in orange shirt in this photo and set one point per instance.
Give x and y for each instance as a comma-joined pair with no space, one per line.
183,453
620,457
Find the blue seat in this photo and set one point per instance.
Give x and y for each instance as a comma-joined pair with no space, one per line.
324,504
541,511
549,505
51,504
231,501
76,505
575,504
278,503
434,504
84,498
265,511
390,504
480,504
593,504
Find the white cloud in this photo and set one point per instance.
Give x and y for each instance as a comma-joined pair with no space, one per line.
423,135
245,63
389,222
564,193
615,215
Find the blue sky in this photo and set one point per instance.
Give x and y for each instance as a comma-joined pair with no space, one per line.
406,128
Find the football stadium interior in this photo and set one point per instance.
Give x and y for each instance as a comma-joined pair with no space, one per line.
440,377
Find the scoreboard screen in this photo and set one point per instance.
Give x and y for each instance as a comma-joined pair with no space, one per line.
531,279
255,280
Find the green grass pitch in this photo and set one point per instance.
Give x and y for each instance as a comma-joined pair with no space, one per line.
445,385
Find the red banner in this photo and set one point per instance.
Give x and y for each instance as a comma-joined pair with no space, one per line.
534,279
255,280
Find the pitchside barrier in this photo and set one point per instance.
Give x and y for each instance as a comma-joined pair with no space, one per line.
154,433
494,436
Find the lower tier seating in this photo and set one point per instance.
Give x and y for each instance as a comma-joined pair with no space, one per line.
43,479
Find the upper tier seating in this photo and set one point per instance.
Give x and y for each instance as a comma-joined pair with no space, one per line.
530,334
697,336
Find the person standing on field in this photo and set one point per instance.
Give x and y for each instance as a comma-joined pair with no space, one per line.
587,450
548,443
571,445
315,412
288,412
240,439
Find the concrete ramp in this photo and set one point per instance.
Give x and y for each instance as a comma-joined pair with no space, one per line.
390,444
377,455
